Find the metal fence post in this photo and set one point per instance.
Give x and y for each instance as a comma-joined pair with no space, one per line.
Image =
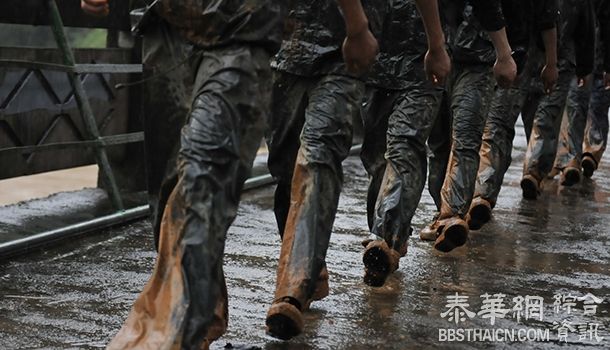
83,106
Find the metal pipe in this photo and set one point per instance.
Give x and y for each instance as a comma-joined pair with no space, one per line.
41,239
15,247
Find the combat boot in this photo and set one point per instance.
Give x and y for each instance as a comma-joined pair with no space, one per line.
589,165
453,234
479,214
530,186
284,319
431,231
379,262
569,176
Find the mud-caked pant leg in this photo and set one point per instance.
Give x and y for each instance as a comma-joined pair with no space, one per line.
377,107
166,100
498,136
409,127
596,131
439,149
542,145
218,146
470,91
326,139
289,98
571,134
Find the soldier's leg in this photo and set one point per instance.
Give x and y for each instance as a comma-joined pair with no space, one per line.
403,181
530,105
318,177
596,132
470,95
218,146
166,101
569,147
288,103
377,106
542,145
496,150
439,147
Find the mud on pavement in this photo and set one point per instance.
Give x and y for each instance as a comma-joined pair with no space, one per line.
78,295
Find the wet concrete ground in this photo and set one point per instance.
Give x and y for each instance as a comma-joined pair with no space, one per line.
77,295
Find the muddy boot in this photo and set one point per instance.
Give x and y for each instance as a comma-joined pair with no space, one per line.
431,231
479,214
284,319
322,289
570,176
589,165
530,187
379,262
454,234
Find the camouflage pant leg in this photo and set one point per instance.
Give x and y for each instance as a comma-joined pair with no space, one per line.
288,104
596,131
439,149
542,145
377,107
569,147
470,90
165,104
528,111
218,146
333,102
498,135
409,126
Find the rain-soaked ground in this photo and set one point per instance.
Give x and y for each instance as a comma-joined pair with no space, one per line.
77,295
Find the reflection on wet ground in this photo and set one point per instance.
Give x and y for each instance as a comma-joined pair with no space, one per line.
77,295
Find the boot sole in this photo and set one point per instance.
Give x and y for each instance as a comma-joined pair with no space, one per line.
479,216
452,237
571,177
530,190
377,265
284,321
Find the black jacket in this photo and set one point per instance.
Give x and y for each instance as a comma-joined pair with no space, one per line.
465,23
576,35
526,19
402,48
209,23
314,34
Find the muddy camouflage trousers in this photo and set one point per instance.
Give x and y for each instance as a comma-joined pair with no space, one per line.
166,101
310,135
584,130
542,145
498,136
456,139
218,145
397,124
